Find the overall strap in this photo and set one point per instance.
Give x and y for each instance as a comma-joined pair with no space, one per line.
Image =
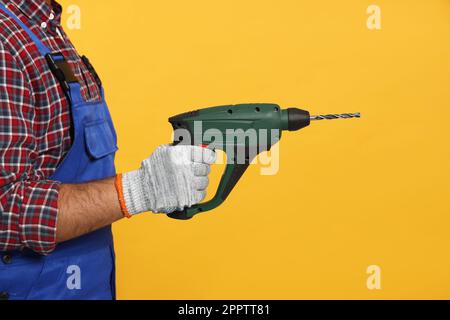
42,48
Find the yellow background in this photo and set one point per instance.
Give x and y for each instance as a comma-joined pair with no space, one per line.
348,194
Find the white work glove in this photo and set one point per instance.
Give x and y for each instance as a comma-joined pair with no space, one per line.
172,178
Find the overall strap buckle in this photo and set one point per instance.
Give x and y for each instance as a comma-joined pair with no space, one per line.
61,70
91,69
64,74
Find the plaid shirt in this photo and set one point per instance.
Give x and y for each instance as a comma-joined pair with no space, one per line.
35,124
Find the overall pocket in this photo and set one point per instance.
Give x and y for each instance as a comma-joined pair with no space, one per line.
99,138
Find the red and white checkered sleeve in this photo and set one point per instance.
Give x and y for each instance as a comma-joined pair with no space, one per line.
28,205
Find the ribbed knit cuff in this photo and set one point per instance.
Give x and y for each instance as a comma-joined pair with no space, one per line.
134,192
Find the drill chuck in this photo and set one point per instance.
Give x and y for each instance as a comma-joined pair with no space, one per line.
297,119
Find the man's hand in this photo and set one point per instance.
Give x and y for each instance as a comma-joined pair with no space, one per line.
172,178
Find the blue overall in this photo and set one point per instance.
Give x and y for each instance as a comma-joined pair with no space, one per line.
82,268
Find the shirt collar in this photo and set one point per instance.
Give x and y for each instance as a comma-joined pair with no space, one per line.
40,12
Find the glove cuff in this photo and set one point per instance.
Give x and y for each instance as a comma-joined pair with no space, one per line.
134,194
119,189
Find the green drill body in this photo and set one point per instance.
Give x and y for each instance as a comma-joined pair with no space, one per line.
242,132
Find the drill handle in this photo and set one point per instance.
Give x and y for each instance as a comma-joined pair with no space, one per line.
233,172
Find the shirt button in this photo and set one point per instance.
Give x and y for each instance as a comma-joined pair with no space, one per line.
7,259
52,16
44,25
4,295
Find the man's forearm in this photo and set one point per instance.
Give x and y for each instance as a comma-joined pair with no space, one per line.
83,208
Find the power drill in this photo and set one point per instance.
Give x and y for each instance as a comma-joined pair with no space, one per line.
242,131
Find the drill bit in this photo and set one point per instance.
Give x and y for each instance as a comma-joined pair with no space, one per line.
336,116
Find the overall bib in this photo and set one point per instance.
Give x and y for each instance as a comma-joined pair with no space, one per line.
82,268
